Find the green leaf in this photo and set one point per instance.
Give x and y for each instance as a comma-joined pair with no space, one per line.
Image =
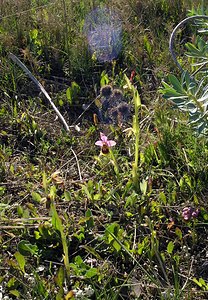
25,248
143,186
169,91
176,84
55,220
163,198
116,245
91,273
60,277
178,232
37,235
112,233
89,219
88,213
34,34
147,45
21,261
12,283
69,95
190,83
45,182
15,293
201,283
75,88
197,282
61,102
140,248
129,214
20,210
179,100
192,49
67,196
78,260
86,190
36,197
137,101
97,197
170,247
104,78
112,228
92,251
53,191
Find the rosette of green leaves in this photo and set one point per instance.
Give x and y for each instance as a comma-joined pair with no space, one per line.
191,96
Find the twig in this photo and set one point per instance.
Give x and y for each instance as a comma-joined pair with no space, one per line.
199,69
22,220
88,106
25,69
6,227
189,275
135,233
78,167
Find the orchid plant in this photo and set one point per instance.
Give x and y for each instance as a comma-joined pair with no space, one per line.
135,129
106,145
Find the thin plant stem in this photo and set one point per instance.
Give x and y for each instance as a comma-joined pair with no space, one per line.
78,166
115,164
136,129
66,30
57,223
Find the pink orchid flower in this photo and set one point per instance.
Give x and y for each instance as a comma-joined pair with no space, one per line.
104,142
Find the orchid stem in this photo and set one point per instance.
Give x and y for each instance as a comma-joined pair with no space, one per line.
136,129
114,161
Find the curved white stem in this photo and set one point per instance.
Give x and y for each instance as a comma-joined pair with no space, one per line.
172,37
25,69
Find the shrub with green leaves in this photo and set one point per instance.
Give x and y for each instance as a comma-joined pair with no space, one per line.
190,92
189,95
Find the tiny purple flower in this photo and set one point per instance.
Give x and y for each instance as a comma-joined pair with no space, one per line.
189,212
195,213
186,213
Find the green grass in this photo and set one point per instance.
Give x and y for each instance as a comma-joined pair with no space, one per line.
75,223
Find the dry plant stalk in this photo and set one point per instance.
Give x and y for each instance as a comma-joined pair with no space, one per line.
30,75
